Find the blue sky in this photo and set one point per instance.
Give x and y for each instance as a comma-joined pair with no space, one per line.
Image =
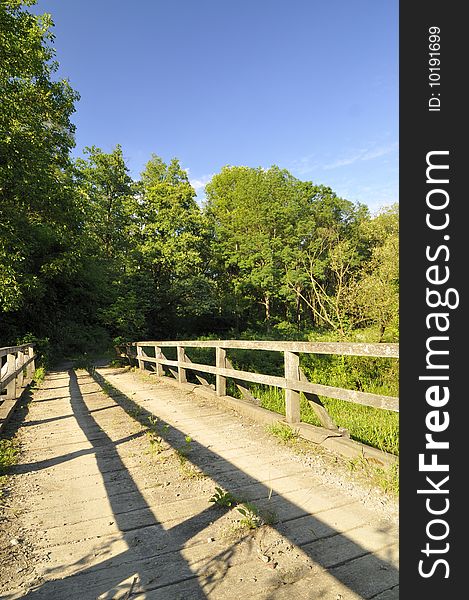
309,85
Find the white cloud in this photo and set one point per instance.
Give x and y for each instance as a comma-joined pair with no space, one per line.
310,163
199,184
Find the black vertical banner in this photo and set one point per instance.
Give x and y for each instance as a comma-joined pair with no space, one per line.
434,337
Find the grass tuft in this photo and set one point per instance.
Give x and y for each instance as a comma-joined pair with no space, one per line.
283,432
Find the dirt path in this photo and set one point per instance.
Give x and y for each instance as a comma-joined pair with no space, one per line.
111,500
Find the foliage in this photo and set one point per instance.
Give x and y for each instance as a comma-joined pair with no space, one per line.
36,136
223,498
172,242
8,453
250,513
39,376
375,294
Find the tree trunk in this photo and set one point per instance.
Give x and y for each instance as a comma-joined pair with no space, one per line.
267,307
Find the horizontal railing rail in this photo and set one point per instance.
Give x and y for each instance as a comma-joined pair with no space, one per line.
293,381
17,367
343,348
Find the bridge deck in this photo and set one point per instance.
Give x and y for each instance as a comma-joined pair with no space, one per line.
112,515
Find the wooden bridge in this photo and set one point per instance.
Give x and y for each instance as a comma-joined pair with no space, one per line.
114,493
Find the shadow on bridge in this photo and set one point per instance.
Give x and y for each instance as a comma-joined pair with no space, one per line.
173,577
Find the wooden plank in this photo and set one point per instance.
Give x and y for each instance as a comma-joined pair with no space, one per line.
220,384
182,378
10,384
12,349
341,348
141,363
30,363
174,373
159,368
319,409
20,369
364,398
201,380
292,397
6,379
246,394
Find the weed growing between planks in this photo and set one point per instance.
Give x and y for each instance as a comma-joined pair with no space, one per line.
223,498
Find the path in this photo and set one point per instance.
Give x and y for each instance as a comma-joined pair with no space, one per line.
113,511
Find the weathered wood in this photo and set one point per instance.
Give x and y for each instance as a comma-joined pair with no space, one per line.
30,363
365,398
182,378
8,376
292,397
296,384
13,349
141,363
158,365
20,369
200,379
246,394
319,409
11,378
342,348
174,373
220,384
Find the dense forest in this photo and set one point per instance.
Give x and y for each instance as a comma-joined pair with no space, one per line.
89,257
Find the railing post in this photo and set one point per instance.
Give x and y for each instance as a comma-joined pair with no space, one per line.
19,365
11,387
31,368
158,368
141,364
292,397
220,362
181,358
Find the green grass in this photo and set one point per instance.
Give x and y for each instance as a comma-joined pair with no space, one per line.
283,432
8,453
385,478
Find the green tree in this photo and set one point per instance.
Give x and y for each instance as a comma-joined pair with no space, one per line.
109,199
252,212
374,295
284,244
173,245
326,252
39,213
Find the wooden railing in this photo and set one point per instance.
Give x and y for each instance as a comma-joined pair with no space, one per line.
293,382
16,371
